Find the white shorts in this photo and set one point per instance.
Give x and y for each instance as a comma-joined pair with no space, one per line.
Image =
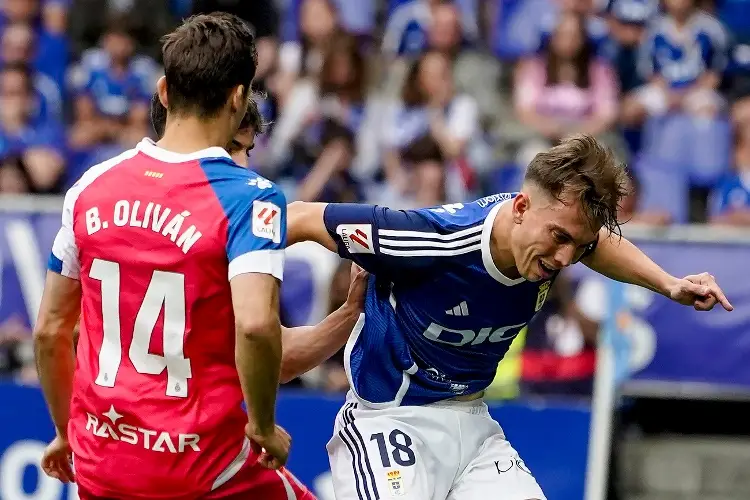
444,451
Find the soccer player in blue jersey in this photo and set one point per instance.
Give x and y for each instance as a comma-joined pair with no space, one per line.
451,287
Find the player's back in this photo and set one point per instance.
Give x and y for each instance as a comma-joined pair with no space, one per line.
157,409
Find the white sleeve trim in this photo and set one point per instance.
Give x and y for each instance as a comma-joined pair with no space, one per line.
65,249
258,261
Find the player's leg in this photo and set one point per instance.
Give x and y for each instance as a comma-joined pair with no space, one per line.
398,452
497,472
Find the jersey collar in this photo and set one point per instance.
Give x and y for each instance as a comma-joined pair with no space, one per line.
149,148
489,264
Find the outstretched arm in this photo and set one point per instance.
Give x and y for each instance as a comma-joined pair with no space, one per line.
306,347
619,259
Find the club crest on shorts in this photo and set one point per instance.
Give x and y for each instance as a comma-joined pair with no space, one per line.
395,483
267,221
542,295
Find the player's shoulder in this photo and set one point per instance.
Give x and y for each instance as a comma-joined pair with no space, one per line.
238,189
94,173
453,217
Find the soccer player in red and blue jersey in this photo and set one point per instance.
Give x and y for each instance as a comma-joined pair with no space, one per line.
172,254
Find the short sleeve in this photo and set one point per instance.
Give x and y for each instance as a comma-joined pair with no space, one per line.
64,257
256,235
384,241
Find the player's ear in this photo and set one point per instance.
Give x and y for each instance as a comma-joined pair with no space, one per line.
161,89
239,99
521,205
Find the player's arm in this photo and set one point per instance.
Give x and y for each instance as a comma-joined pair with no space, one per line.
619,259
306,347
255,250
59,311
54,345
381,240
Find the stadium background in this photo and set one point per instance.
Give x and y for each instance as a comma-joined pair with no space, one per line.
423,102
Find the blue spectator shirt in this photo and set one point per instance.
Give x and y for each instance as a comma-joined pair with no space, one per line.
682,57
733,193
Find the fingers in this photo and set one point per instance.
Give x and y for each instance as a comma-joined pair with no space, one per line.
58,467
719,294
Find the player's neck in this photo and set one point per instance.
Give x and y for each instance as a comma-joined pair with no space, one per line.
190,134
502,255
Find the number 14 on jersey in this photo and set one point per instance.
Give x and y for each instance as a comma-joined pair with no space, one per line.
166,290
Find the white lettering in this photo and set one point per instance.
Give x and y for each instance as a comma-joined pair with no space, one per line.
155,217
434,330
134,214
458,338
128,434
147,217
188,239
161,441
93,223
175,225
122,211
188,440
159,221
146,437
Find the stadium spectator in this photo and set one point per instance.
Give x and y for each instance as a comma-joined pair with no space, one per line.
318,23
595,27
683,58
113,87
567,89
427,132
148,21
731,198
627,21
37,141
408,25
18,45
315,137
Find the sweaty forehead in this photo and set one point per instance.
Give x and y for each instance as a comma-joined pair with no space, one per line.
571,218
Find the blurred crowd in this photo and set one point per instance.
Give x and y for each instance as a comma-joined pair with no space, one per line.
411,103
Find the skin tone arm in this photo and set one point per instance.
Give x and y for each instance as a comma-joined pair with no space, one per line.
255,300
306,347
619,259
55,360
305,223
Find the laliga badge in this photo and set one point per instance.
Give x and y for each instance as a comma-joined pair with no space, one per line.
395,483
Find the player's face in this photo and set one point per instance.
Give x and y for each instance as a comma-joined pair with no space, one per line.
239,148
548,236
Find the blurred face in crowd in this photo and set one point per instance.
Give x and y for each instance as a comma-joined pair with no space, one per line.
567,40
119,46
435,76
679,9
317,19
445,31
15,96
17,43
578,6
20,10
342,71
12,180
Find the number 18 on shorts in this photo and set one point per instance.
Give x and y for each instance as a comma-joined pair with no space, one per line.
449,451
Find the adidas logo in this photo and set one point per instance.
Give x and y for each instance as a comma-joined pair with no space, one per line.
460,310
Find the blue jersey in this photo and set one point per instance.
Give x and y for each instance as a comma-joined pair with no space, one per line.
681,57
439,315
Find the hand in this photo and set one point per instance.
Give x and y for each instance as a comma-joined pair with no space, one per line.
272,449
699,291
57,460
357,288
